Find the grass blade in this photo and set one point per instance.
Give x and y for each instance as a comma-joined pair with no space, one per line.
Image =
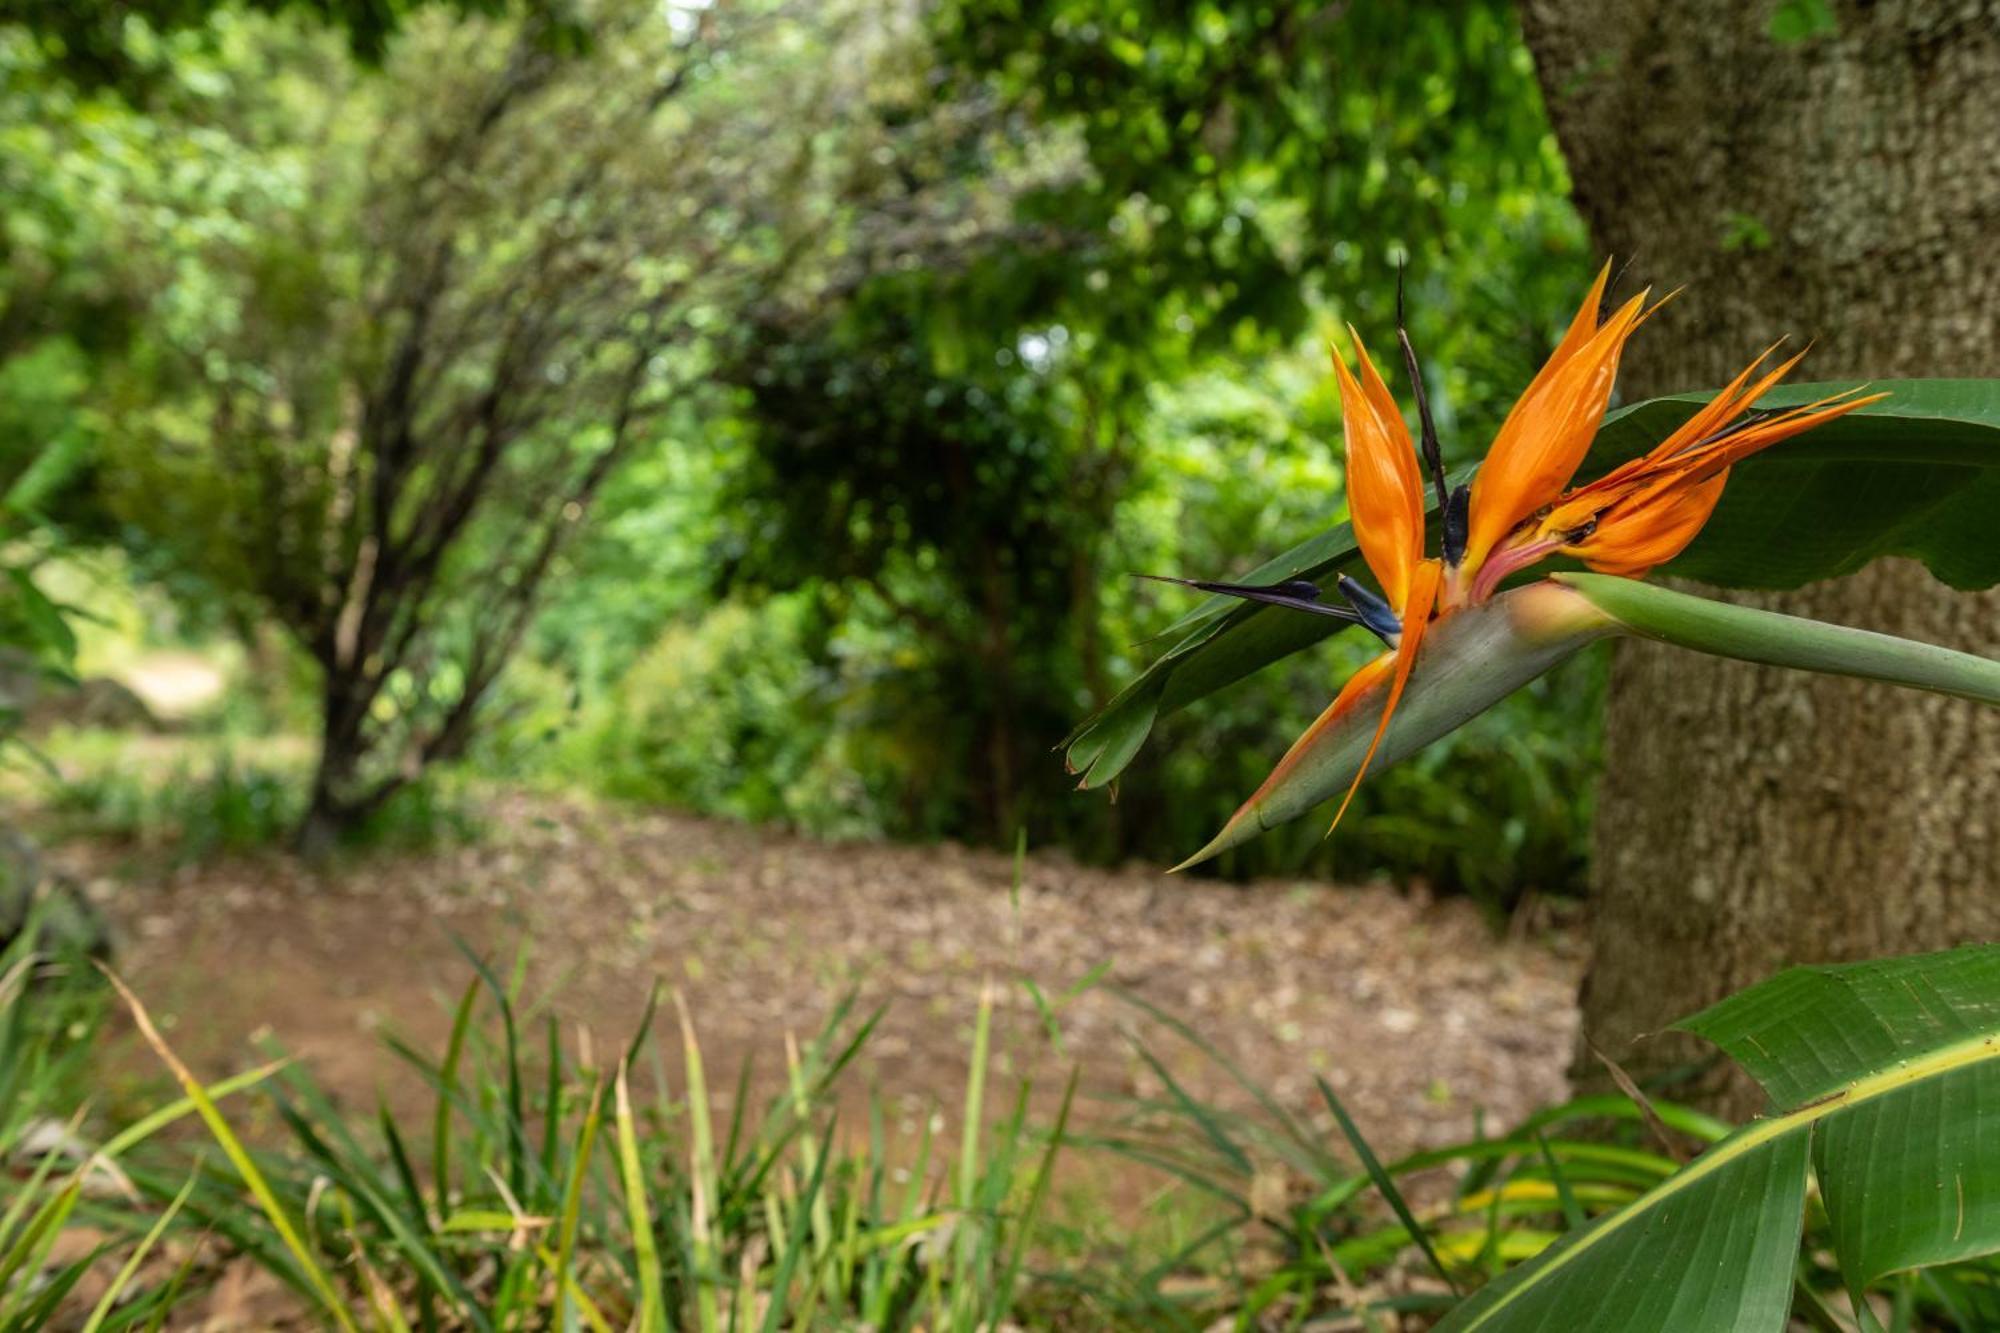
239,1157
131,1266
1384,1183
454,1051
572,1205
650,1318
1572,1214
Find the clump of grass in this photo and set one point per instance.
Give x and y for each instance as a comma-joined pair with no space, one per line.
1313,1227
50,1014
552,1185
1309,1228
564,1188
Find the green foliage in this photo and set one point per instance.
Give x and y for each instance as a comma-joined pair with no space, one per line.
1879,1074
1794,21
195,809
960,504
37,636
1583,1216
1243,157
51,1013
555,1184
731,715
123,42
947,368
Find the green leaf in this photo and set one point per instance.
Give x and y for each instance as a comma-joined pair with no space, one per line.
46,630
1384,1183
1917,474
1906,1178
47,471
1887,1071
1796,21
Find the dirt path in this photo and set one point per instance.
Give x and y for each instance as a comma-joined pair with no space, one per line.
1413,1011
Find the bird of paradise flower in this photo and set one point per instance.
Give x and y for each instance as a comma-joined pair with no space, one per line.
1519,510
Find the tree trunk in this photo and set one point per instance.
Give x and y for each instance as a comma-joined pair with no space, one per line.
1845,188
333,807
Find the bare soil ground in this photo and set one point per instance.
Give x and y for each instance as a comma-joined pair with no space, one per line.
1413,1010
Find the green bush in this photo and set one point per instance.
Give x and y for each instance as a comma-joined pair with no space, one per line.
730,714
197,809
750,712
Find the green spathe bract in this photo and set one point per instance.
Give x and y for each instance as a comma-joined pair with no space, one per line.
1882,1071
1474,658
1470,661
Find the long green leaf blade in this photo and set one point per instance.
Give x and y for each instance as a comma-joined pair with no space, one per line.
1710,1249
1910,1180
1890,1070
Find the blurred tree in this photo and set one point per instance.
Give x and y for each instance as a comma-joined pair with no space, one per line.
491,272
1188,185
1825,171
114,42
1246,164
960,502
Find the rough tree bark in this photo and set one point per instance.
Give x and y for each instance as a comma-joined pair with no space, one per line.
1843,188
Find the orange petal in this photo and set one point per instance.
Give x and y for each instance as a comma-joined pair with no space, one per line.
1416,617
1662,511
1385,494
1653,528
1545,437
1731,402
1581,326
1343,703
1738,445
1698,443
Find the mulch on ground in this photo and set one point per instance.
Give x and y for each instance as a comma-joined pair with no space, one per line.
1413,1010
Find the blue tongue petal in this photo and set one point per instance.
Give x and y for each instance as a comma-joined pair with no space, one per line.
1375,613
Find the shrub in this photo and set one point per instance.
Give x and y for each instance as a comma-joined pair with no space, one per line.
731,714
227,804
